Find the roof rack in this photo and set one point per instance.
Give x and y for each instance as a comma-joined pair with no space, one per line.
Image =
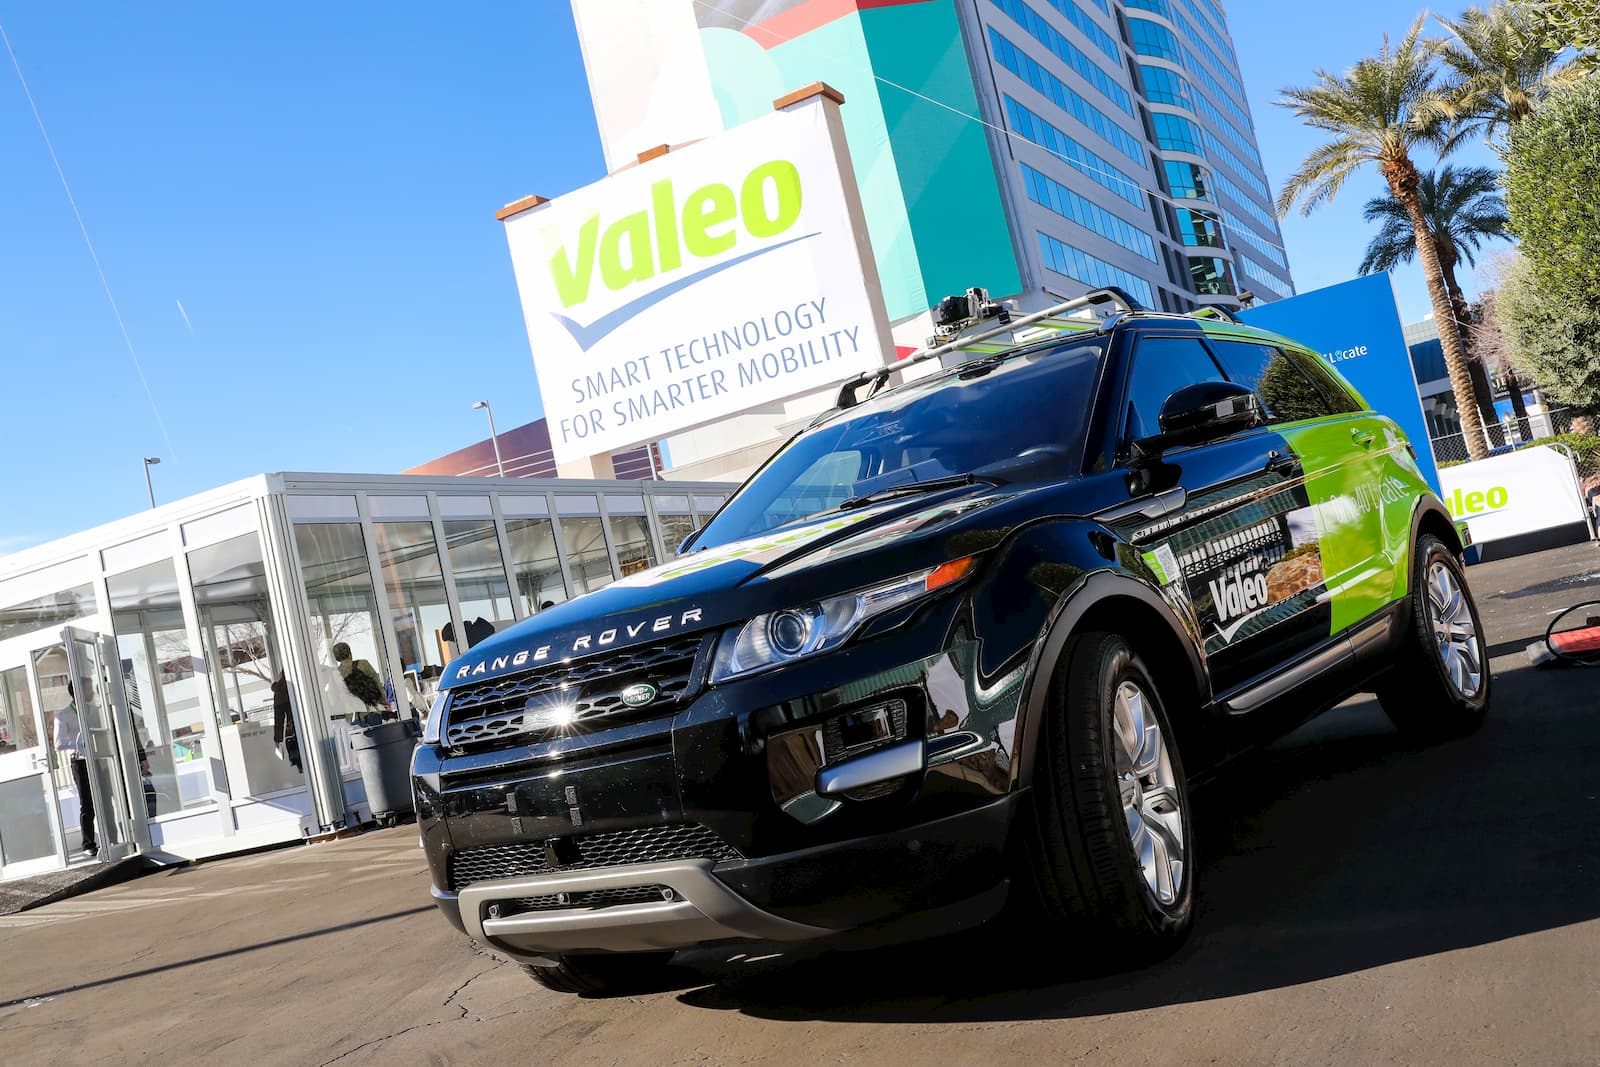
1216,311
848,397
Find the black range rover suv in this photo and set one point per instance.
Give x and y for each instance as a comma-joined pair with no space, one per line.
969,637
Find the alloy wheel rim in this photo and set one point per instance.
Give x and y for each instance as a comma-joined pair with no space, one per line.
1455,635
1152,807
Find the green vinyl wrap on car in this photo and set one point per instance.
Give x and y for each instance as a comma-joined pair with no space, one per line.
1362,497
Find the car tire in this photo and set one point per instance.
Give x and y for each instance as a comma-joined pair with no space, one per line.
1111,845
1432,691
602,975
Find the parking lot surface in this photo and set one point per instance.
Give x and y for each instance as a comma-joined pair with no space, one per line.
1360,902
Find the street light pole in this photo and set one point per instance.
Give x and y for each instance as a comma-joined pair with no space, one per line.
150,461
494,438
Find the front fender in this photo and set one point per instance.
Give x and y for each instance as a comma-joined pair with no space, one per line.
1107,588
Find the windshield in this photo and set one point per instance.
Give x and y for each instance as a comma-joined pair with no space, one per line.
998,420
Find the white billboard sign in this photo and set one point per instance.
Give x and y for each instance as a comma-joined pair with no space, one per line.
711,280
1521,492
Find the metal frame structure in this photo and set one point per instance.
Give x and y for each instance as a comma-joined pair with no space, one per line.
229,818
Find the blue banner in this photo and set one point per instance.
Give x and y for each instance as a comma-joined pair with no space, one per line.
1355,326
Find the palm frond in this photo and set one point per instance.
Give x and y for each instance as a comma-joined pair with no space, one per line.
1322,174
1497,67
1462,209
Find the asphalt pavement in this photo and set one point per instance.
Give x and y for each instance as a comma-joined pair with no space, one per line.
1360,902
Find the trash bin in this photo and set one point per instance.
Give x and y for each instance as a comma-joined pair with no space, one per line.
383,755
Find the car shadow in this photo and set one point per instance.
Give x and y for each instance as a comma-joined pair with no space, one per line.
1338,849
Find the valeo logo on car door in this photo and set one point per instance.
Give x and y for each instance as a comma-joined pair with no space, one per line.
671,232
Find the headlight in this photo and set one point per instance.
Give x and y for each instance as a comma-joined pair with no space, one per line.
780,637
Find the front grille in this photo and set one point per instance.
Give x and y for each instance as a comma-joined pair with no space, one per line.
593,898
645,844
561,694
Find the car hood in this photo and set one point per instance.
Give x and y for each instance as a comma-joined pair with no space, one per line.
729,583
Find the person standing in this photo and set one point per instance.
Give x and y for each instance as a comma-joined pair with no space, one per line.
68,740
363,683
284,734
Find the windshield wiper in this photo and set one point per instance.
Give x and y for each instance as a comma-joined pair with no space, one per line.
889,492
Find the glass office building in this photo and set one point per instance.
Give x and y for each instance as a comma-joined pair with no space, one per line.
1071,144
199,637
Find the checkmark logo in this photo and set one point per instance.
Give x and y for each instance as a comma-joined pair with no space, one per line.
588,335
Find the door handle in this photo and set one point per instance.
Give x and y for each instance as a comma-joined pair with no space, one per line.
1361,437
1285,463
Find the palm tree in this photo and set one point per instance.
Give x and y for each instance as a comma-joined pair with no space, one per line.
1463,209
1498,66
1379,112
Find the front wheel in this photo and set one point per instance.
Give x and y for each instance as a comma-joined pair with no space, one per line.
1112,849
1439,684
602,975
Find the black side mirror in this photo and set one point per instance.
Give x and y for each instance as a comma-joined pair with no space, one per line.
1207,411
683,546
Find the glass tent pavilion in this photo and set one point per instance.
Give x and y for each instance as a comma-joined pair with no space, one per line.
185,631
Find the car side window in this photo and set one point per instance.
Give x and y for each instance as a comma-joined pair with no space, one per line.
1339,398
1286,392
1160,366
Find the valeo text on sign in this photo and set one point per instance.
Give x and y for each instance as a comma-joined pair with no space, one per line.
640,245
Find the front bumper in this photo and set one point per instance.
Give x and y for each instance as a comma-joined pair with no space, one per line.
841,888
699,909
801,844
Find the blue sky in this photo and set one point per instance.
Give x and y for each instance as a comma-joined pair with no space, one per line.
316,186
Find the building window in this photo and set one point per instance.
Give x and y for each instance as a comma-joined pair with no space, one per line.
1217,151
1198,229
1238,231
1186,180
1244,200
1257,275
585,542
1159,7
52,610
1086,213
413,579
1162,86
1211,276
165,695
535,565
1089,27
631,536
1174,133
241,646
344,611
480,576
675,521
1023,66
1047,35
1031,127
1154,39
1082,267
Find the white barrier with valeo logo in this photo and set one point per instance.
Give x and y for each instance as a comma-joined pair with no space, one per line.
1522,492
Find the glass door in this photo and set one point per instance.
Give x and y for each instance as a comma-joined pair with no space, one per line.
30,824
103,712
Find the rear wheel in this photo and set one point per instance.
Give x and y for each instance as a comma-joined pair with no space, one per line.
602,974
1112,849
1439,685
